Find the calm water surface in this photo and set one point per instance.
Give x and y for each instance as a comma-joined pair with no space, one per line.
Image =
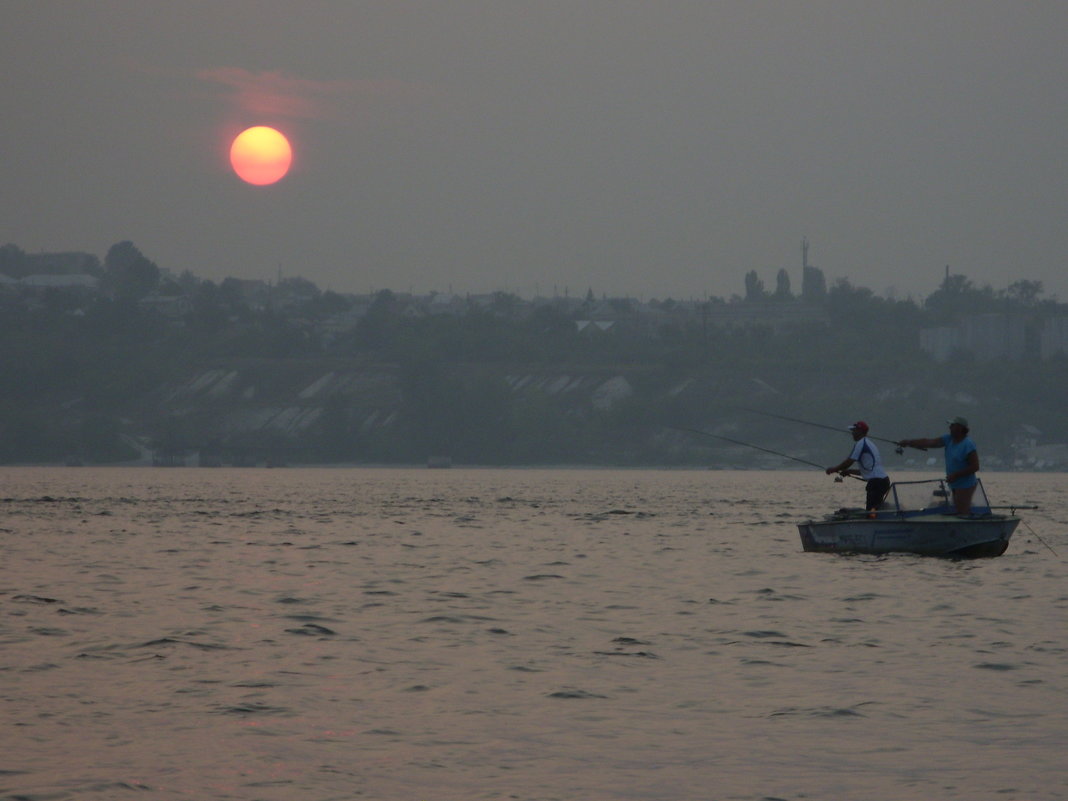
450,635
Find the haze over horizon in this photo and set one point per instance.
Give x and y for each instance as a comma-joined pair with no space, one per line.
653,150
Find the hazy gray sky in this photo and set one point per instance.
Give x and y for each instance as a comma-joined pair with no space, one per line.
657,149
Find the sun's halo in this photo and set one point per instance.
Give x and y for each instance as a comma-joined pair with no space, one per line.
260,155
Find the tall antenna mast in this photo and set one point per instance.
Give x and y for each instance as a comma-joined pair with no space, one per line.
804,252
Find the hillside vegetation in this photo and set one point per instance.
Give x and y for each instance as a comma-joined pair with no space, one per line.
117,375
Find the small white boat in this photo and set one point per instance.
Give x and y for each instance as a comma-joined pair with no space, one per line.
916,517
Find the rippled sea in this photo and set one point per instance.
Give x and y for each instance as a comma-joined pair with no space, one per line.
315,634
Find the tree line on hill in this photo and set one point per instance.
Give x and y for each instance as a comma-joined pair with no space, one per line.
83,372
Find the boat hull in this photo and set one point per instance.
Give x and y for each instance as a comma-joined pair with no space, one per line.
927,535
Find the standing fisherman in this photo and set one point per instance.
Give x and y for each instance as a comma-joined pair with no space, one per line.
866,455
962,461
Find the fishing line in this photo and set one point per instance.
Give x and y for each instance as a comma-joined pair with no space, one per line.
1040,539
898,448
756,447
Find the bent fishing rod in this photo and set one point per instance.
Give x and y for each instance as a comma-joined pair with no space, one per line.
897,447
757,447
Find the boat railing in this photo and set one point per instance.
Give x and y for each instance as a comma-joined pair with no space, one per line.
929,496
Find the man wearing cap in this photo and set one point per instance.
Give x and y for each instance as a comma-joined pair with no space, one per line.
962,461
870,463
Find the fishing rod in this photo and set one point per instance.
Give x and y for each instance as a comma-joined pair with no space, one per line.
756,447
897,448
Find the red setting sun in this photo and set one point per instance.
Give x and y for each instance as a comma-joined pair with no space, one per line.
260,155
